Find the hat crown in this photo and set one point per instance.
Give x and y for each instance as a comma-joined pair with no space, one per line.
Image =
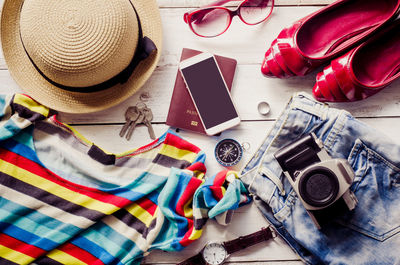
79,43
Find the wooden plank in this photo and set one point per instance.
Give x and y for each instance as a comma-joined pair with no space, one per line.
249,88
199,3
247,44
281,262
249,85
178,35
253,132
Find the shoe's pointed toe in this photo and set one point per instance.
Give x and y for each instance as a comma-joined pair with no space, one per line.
265,69
321,89
282,60
265,65
271,66
317,93
334,84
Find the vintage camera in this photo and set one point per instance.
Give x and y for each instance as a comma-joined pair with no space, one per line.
321,182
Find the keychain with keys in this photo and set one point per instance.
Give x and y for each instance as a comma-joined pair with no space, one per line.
135,115
148,117
133,126
131,115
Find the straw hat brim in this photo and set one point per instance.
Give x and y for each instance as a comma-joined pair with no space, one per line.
34,84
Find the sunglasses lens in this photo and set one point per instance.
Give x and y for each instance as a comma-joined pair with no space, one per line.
256,11
210,22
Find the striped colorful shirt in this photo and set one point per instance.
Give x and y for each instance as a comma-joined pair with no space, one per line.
63,200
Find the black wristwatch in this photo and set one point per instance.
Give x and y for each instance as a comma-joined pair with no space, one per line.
215,253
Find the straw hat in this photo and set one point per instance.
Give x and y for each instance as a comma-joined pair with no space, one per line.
77,56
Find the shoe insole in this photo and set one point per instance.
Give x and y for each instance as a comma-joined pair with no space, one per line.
335,29
379,61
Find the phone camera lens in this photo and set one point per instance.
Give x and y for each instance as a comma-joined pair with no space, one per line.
319,187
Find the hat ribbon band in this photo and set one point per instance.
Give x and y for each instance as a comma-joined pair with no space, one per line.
144,49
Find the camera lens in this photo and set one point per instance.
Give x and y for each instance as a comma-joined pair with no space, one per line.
319,187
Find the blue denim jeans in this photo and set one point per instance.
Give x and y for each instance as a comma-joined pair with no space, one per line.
367,235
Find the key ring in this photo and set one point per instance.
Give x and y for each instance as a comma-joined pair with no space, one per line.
245,146
145,96
263,108
141,105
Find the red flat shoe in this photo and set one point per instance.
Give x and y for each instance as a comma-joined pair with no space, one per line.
326,34
363,71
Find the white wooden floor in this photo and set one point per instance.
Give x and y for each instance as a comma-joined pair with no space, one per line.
247,44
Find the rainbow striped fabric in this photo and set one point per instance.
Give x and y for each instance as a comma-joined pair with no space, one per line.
63,200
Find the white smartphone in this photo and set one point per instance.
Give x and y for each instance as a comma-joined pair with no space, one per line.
209,93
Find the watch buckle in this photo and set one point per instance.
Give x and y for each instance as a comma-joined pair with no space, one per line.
273,232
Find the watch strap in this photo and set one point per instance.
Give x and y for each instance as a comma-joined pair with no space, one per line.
248,240
195,260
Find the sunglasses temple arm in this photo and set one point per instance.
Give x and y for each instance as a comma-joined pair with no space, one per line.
220,2
217,3
201,14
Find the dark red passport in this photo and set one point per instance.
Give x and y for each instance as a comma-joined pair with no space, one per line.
182,113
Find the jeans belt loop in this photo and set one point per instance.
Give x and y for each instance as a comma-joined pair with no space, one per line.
278,183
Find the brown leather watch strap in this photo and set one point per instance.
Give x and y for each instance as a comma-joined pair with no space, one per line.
195,260
249,240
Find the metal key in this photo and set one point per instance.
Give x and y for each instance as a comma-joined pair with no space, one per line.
133,126
148,114
131,115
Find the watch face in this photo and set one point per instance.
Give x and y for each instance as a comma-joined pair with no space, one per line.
228,152
214,253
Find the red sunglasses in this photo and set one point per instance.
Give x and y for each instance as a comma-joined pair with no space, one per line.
213,20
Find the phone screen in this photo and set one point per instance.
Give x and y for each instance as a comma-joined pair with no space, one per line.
209,92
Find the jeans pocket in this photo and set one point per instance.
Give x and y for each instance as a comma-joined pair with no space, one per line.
376,186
